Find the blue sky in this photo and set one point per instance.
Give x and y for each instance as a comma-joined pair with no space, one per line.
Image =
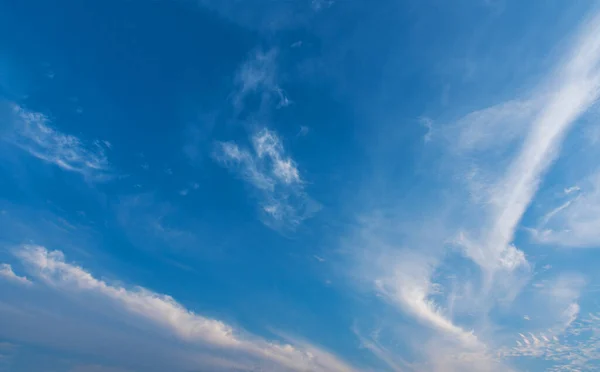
301,185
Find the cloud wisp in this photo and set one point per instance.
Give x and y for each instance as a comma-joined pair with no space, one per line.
273,175
411,288
259,76
33,133
162,311
575,222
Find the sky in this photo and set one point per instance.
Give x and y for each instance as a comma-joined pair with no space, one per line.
299,185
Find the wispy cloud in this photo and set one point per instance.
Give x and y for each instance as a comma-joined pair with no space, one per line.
33,133
51,268
575,222
501,154
573,347
6,272
560,100
275,176
259,76
394,362
411,288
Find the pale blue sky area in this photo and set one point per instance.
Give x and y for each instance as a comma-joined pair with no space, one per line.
299,185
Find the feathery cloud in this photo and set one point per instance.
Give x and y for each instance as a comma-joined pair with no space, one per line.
258,76
411,288
275,175
33,133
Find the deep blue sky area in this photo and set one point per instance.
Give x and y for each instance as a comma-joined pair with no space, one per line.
299,185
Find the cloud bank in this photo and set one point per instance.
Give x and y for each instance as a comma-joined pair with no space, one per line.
162,311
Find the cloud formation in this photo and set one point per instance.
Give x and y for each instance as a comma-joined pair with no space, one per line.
51,268
568,93
274,175
574,348
33,133
500,156
411,288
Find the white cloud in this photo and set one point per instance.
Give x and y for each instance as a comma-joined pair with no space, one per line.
491,127
410,287
51,268
572,189
274,175
244,162
557,309
7,273
32,132
267,145
575,222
